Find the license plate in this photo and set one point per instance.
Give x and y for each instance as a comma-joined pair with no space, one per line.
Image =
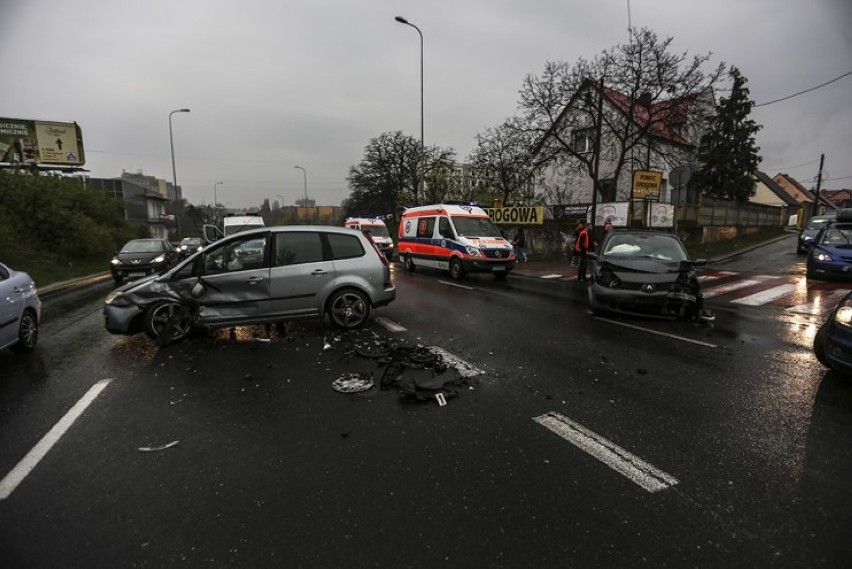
499,269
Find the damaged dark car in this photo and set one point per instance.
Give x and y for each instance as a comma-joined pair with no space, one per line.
265,276
646,273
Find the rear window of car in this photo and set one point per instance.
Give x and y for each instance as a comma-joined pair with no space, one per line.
345,246
292,248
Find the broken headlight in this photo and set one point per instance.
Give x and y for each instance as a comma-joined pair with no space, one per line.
843,314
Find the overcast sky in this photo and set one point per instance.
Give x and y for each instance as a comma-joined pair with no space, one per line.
273,84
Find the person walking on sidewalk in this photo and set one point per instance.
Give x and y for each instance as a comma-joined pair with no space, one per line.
581,247
520,244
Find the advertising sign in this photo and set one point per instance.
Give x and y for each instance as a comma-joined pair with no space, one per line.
615,211
521,215
646,185
662,215
40,142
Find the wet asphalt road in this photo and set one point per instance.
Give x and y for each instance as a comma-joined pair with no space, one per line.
273,468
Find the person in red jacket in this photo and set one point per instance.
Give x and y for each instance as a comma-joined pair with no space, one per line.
581,247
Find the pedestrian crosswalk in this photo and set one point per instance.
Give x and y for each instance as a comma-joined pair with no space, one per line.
792,293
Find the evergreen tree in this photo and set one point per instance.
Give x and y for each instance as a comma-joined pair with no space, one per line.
727,152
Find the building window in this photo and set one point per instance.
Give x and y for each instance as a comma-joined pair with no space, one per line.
583,140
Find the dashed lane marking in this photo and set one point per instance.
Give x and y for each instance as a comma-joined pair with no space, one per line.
457,285
390,325
38,452
625,463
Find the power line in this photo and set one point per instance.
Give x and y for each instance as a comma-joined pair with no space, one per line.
782,168
803,92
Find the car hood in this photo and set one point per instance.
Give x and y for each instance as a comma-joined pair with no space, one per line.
643,267
140,257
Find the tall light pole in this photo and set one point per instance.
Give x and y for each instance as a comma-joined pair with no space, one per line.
174,172
305,175
215,202
402,20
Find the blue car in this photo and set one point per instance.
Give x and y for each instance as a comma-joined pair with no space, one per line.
830,255
833,341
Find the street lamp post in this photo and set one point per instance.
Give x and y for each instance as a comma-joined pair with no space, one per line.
174,171
402,20
215,202
305,175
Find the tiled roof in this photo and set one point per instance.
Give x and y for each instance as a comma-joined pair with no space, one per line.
776,189
662,117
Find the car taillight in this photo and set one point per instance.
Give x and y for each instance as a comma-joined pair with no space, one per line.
376,249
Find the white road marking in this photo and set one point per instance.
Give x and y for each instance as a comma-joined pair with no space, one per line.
465,369
722,289
457,285
625,463
390,325
765,296
31,460
553,276
704,278
666,334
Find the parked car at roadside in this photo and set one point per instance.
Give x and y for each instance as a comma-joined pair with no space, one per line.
833,340
261,276
809,232
830,254
646,273
20,310
189,245
142,257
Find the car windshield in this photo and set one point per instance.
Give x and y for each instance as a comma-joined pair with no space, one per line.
475,226
376,230
837,236
817,224
662,247
142,246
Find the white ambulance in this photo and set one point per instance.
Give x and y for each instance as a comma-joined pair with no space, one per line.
454,238
378,232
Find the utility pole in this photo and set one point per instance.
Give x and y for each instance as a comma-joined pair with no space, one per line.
819,183
597,163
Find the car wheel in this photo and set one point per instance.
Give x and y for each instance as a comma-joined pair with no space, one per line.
456,270
348,309
819,345
27,332
408,262
168,321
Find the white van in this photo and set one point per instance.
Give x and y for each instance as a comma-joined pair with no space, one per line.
378,232
232,224
454,238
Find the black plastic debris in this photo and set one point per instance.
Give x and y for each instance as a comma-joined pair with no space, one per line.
417,372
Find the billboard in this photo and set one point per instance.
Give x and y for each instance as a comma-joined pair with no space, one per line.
41,142
519,215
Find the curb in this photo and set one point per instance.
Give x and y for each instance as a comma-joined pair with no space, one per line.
56,288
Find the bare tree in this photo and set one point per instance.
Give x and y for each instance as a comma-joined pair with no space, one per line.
602,117
388,177
502,164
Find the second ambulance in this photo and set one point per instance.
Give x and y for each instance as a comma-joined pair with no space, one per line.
378,232
455,238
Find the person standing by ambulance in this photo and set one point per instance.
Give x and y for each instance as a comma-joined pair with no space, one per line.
520,243
581,247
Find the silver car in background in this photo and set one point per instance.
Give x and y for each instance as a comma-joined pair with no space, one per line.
274,274
20,310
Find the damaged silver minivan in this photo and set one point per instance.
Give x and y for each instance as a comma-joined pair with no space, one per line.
274,274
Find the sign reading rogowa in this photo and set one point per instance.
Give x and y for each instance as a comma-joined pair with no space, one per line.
521,215
41,142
